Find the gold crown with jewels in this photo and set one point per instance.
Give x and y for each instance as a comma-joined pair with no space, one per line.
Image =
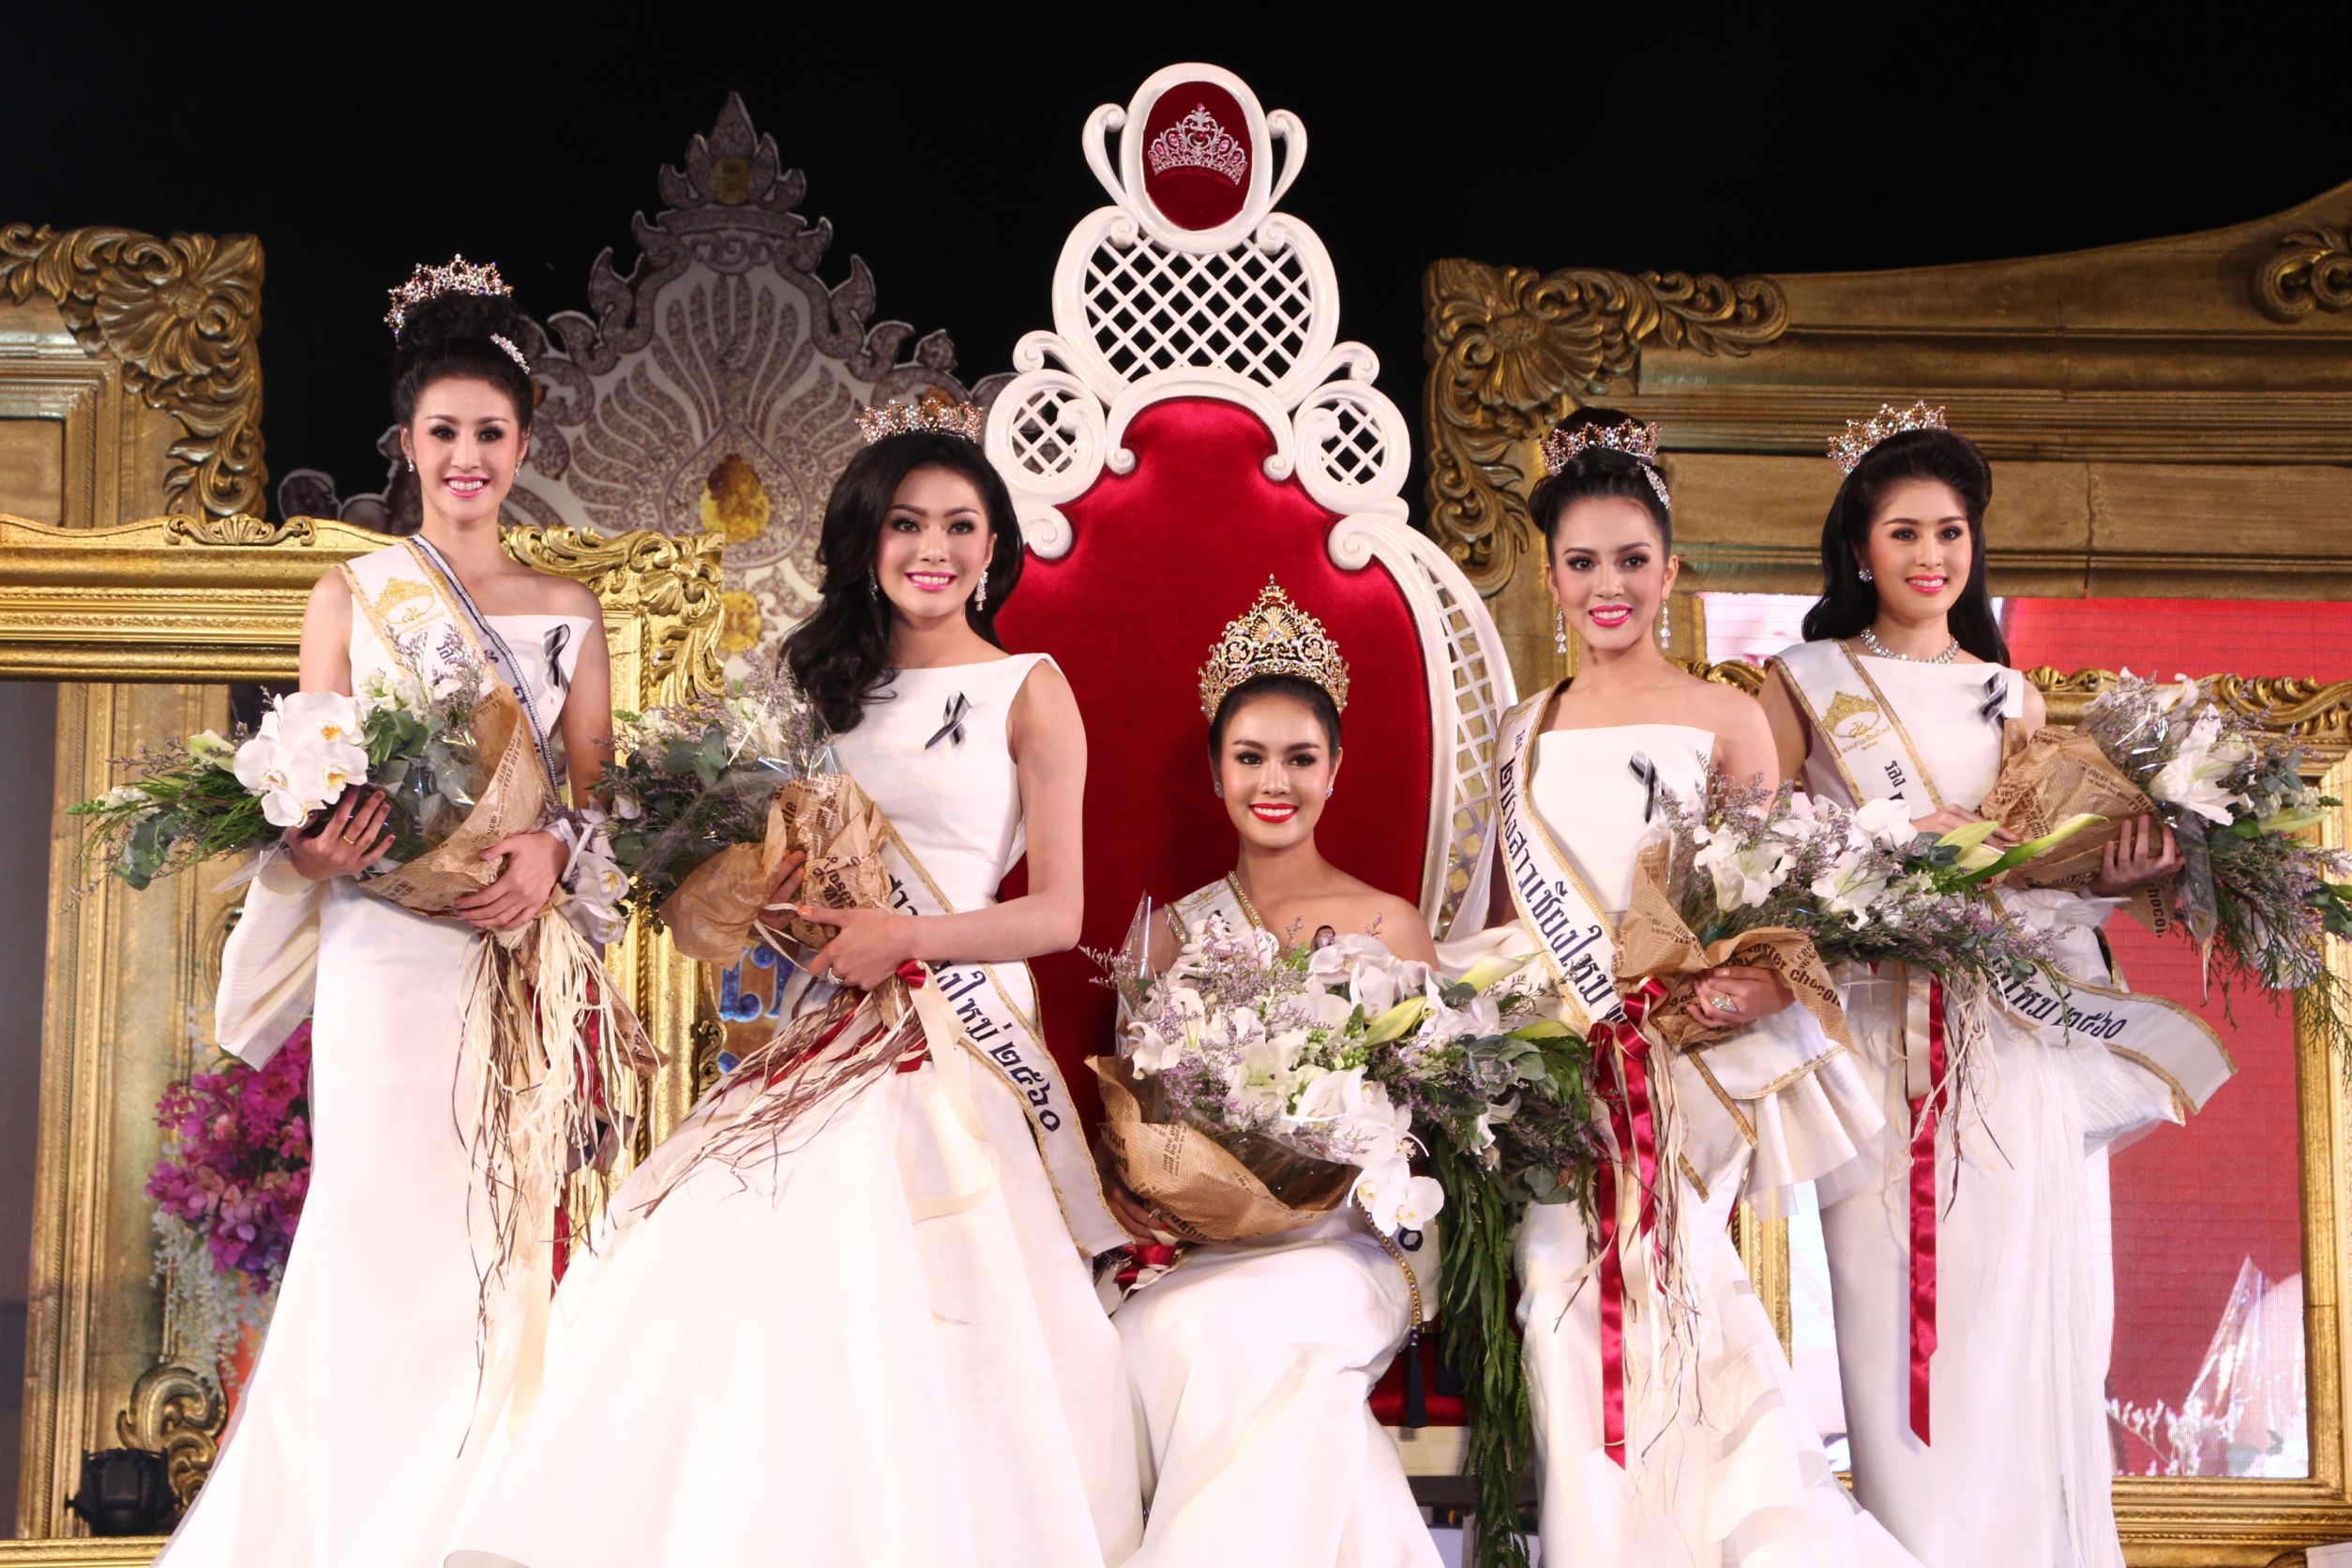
1861,435
1273,636
454,276
930,413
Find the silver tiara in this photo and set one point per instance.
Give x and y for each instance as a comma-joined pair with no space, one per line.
512,352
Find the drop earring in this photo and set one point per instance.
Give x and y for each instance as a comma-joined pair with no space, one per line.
1666,620
412,465
1328,789
873,584
1218,789
1867,577
1560,632
980,597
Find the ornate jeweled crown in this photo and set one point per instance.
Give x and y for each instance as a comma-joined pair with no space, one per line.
1634,437
454,276
1198,142
1273,637
930,413
1861,435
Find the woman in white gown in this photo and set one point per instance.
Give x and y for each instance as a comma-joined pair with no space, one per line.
876,1342
1672,1435
1252,1363
368,1414
1903,689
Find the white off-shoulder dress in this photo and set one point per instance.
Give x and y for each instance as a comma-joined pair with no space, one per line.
878,1348
1722,1466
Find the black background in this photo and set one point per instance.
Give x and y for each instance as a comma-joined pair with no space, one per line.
947,154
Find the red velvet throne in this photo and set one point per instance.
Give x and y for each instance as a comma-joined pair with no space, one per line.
1190,426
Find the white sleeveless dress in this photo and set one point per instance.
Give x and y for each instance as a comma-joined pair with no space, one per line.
2023,1312
880,1349
1723,1467
368,1415
1252,1363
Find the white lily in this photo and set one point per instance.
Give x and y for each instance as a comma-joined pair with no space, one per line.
1744,874
1849,886
1885,821
2193,779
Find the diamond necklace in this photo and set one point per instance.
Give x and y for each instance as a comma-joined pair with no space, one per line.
1870,640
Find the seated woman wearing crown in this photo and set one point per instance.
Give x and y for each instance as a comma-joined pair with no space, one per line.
1251,1362
1668,1426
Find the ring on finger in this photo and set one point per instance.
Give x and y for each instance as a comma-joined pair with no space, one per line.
1723,1004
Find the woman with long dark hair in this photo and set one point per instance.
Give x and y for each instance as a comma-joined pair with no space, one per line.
872,1337
397,1332
1668,1428
1971,1329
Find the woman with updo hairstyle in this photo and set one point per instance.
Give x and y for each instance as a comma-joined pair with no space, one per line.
397,1333
1668,1426
866,1336
1251,1362
1974,1385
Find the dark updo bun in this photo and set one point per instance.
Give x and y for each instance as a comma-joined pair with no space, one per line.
1597,471
449,337
1298,689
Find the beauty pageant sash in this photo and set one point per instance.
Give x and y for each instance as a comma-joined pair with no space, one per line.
965,1002
424,616
1578,942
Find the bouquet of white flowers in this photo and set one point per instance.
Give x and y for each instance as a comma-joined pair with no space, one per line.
2252,889
218,796
1248,1094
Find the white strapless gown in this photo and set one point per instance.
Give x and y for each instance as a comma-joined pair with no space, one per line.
1722,1465
2019,1472
881,1351
368,1415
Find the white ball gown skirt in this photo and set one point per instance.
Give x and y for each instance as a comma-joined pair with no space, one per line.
1252,1365
2023,1315
1723,1467
368,1415
880,1348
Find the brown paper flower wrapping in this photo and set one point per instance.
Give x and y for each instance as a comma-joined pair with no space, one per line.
1201,1189
712,913
513,800
1653,941
2056,775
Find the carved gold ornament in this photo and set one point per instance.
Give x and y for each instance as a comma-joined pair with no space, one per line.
2312,270
176,1412
1512,350
671,581
180,315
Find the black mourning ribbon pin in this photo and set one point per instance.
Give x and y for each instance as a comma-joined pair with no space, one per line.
952,728
1645,773
1996,696
558,638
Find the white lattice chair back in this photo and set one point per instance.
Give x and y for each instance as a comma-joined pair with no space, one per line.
1191,425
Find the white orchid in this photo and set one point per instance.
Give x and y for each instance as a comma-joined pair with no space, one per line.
2193,779
328,717
1885,821
1744,874
1851,885
1395,1199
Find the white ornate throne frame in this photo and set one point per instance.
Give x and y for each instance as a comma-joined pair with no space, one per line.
1245,310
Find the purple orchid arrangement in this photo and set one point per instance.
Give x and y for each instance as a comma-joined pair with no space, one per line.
238,1162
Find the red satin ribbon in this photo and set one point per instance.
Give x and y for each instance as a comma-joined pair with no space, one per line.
1923,1212
1142,1256
1635,1124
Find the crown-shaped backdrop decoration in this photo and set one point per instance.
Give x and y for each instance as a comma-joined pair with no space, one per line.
1198,142
454,276
1273,637
932,413
1861,435
1634,438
